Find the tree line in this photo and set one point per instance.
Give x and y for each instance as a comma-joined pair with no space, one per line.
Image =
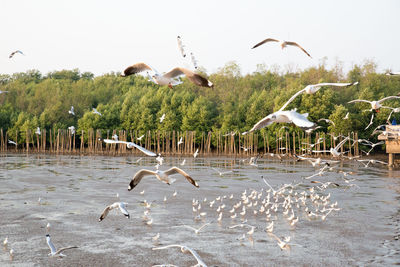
235,103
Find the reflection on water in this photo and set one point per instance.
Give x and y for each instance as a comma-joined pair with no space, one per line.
74,190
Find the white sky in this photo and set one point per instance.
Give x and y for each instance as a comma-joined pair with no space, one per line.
101,36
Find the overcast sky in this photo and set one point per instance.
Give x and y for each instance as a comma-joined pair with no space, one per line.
101,36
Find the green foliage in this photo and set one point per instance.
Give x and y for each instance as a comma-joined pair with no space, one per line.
235,103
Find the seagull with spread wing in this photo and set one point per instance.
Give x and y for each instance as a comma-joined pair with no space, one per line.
282,43
334,150
120,205
375,105
185,249
131,145
53,250
313,88
16,52
169,78
163,176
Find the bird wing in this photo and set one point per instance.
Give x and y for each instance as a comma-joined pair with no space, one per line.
265,41
122,208
292,98
370,122
50,244
193,77
300,120
136,68
105,212
336,84
341,143
359,100
174,170
387,98
299,46
65,248
130,144
261,124
190,227
138,177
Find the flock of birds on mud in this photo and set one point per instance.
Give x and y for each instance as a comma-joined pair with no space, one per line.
253,210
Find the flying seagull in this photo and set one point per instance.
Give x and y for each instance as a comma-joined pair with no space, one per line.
120,205
162,118
168,78
313,88
334,151
96,112
53,250
283,116
283,44
140,138
163,176
131,145
392,73
375,105
72,129
194,61
181,46
185,249
71,111
15,52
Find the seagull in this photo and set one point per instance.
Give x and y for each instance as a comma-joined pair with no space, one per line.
96,112
313,88
194,61
5,243
15,52
395,110
11,254
196,153
180,141
140,138
169,77
71,111
162,118
221,173
114,137
181,46
375,105
281,244
283,116
283,44
347,116
120,205
131,145
72,129
199,229
38,132
334,151
183,162
12,142
369,161
184,249
163,176
53,250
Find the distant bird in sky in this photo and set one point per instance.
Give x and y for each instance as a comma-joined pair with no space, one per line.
169,78
283,44
71,111
194,61
120,205
15,52
53,250
96,112
375,105
163,176
181,46
283,116
162,118
313,88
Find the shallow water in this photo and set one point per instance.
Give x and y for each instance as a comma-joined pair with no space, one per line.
74,191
